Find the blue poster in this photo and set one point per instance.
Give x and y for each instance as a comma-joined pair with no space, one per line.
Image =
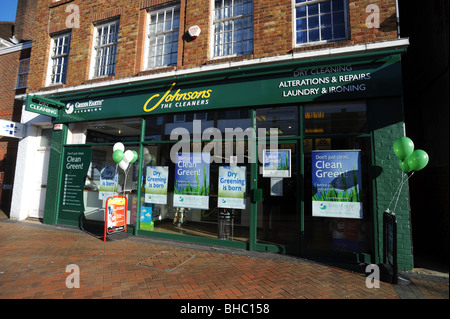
191,189
336,181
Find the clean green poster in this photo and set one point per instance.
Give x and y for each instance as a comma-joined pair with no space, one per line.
75,167
191,188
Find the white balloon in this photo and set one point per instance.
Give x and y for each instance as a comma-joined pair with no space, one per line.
146,151
128,156
123,165
118,146
147,158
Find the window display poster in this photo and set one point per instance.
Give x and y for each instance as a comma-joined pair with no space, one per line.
146,220
191,188
277,163
115,215
232,187
108,182
336,181
156,184
75,168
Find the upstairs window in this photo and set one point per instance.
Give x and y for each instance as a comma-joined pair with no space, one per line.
162,38
59,59
22,76
106,36
232,27
320,21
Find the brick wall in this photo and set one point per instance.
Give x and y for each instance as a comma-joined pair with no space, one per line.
386,129
25,19
11,110
272,34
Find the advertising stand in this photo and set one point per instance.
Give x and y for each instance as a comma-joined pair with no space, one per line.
390,245
390,264
115,218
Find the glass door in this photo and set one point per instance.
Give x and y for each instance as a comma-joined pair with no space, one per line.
278,213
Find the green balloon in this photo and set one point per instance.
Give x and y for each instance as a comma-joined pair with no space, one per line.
418,160
403,147
404,166
117,156
135,157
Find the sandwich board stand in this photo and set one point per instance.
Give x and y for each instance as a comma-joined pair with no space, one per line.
115,218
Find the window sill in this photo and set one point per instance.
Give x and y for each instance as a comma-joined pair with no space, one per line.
99,79
229,58
57,3
52,87
157,70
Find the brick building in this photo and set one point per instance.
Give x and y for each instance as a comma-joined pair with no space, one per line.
15,50
320,76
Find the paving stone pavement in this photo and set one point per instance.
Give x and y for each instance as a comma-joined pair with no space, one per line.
34,260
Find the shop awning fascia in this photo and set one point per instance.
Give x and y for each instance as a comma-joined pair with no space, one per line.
241,71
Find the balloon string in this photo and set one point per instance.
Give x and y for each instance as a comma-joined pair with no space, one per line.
399,191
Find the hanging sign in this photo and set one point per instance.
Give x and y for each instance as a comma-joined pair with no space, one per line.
115,215
42,105
336,182
191,189
156,184
277,163
232,187
11,129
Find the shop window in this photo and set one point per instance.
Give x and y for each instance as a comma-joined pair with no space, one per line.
22,77
232,28
336,118
110,131
106,36
281,120
348,234
320,21
166,212
104,179
59,59
161,127
162,37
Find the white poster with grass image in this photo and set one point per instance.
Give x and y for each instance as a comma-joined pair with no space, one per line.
156,184
336,182
191,188
277,163
232,187
108,182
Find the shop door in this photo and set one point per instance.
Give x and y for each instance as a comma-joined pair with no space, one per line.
41,160
278,214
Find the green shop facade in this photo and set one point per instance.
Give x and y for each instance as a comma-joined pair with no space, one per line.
312,111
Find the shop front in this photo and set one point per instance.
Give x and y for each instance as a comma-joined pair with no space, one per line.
287,157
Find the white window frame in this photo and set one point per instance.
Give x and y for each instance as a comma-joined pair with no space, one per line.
57,57
21,73
174,29
108,46
232,19
308,2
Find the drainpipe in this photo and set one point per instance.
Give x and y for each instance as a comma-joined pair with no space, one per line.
397,14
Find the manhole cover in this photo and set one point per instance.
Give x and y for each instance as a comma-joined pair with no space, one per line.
166,260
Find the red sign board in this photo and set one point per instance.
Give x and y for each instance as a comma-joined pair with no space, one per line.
115,215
